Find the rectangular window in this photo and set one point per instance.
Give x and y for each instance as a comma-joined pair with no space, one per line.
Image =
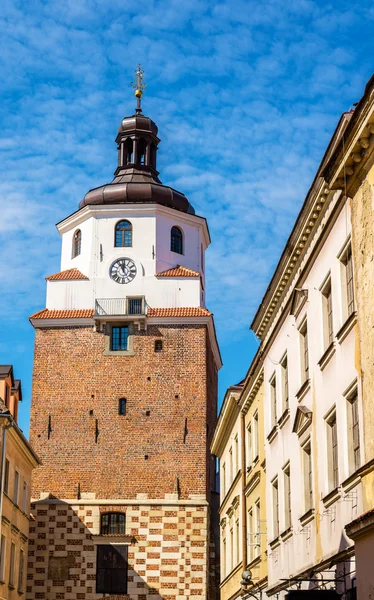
348,283
275,495
273,400
249,446
11,564
223,480
224,559
257,524
251,536
231,549
6,476
24,497
328,332
236,455
237,542
2,558
16,484
111,569
135,306
20,571
287,496
119,338
307,476
332,451
304,353
255,437
353,432
231,467
284,367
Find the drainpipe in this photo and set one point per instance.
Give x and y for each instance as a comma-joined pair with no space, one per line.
3,457
243,503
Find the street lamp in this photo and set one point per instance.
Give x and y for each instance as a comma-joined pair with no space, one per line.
247,580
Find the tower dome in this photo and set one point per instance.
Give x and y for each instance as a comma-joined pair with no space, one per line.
136,177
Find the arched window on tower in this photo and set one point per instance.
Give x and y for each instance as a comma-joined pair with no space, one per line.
77,243
176,240
112,523
141,151
123,234
129,146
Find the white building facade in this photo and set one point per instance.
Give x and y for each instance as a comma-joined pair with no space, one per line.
312,400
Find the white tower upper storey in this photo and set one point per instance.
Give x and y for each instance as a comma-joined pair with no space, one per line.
133,238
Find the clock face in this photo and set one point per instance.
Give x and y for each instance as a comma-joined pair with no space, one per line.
123,270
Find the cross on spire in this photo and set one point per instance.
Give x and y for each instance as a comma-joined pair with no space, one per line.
138,86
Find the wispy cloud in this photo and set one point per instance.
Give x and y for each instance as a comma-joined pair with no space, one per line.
245,95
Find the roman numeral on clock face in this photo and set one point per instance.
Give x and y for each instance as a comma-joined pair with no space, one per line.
123,270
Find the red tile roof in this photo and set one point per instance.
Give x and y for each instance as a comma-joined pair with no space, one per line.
196,311
178,271
87,313
66,275
80,313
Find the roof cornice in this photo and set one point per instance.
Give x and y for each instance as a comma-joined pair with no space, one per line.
228,415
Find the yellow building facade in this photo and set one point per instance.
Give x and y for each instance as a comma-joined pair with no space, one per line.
239,444
17,464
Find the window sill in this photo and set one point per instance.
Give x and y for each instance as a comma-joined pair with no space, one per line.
284,418
307,517
273,434
275,543
287,534
11,587
326,356
303,390
331,497
350,322
119,353
118,539
353,480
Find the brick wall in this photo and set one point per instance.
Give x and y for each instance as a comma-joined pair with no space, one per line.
78,388
90,451
167,553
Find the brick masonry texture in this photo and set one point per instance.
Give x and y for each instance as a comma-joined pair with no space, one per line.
167,554
78,389
92,450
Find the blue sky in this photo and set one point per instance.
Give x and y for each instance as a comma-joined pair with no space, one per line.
246,96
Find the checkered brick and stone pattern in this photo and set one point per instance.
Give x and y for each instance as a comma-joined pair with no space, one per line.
167,552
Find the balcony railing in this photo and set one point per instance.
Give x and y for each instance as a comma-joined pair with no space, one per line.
116,307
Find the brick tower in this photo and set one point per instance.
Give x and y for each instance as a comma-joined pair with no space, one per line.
124,394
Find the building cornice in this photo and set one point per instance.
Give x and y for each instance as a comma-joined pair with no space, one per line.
226,420
348,158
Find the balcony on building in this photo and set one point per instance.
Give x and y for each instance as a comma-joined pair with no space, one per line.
130,308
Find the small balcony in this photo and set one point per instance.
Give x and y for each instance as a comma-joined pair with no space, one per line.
135,306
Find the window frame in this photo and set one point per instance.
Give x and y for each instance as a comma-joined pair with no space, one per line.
2,557
275,506
123,234
108,339
353,422
273,399
307,469
12,561
21,571
6,476
176,239
285,382
109,527
24,496
347,280
327,312
122,405
332,449
102,589
256,440
287,495
304,351
77,243
16,487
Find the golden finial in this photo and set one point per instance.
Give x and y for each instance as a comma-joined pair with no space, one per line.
138,86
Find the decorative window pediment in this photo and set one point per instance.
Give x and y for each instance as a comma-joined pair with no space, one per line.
302,420
299,297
